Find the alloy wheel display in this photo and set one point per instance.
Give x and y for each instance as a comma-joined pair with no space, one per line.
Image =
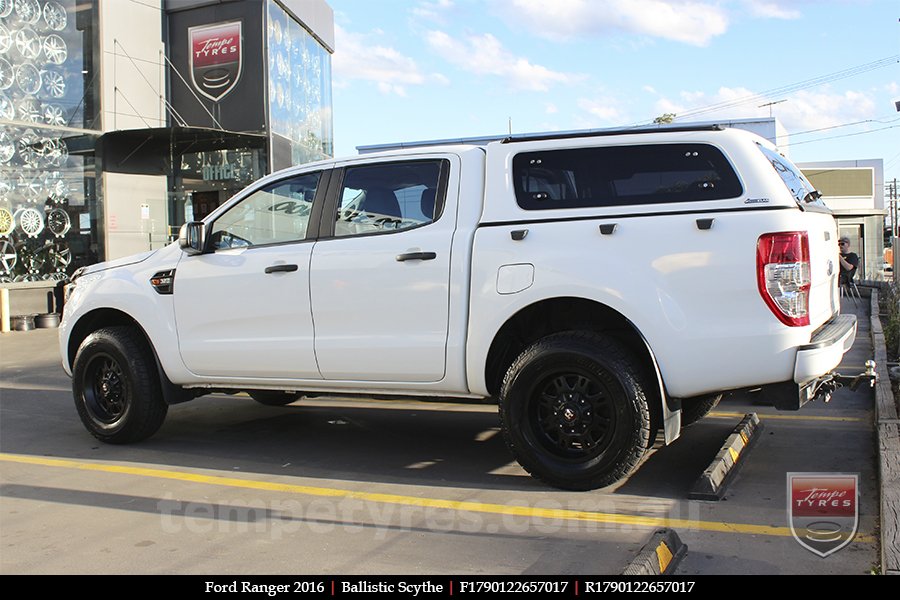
42,93
55,16
30,221
8,257
58,222
7,224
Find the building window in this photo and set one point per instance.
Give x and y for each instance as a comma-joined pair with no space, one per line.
48,98
299,87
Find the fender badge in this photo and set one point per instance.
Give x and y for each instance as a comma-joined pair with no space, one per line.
756,201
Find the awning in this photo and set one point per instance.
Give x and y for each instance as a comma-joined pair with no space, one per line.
154,151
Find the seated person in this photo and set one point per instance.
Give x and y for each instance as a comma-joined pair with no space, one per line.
849,261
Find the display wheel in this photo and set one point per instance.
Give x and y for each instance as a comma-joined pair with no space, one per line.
31,187
7,223
7,75
58,222
55,49
54,83
7,147
29,11
60,256
30,221
28,43
7,108
53,115
55,16
28,78
6,39
8,257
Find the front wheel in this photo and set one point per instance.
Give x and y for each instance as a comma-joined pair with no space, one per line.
574,411
270,398
116,386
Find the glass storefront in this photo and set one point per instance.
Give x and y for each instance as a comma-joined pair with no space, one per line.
207,179
299,87
48,116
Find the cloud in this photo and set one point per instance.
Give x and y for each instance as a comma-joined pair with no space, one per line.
432,11
770,10
485,55
358,58
802,111
604,110
694,22
551,109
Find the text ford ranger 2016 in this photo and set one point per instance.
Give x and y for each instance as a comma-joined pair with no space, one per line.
599,286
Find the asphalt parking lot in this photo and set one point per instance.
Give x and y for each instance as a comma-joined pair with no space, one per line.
339,486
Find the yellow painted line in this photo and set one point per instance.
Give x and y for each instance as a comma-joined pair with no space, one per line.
465,506
762,416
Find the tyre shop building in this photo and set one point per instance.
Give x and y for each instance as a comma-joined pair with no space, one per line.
119,120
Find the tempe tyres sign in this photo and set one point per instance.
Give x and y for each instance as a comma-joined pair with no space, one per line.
216,58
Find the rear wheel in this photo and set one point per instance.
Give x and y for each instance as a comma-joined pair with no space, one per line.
694,409
116,386
270,398
574,411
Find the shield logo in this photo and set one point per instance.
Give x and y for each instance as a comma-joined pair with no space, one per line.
216,57
823,510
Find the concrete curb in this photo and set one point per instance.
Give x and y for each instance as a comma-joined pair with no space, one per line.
888,449
713,481
659,556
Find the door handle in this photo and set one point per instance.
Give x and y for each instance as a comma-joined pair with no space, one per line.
281,269
416,256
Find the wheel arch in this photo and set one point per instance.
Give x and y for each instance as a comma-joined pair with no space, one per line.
113,317
554,315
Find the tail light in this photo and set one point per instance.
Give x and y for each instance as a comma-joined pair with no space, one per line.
782,274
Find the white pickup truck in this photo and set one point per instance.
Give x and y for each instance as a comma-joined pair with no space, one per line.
599,286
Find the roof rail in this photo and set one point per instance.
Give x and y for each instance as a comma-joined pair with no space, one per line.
607,132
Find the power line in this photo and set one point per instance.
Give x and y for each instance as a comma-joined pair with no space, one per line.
793,87
835,137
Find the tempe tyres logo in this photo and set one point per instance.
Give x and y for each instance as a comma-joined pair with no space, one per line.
823,510
216,57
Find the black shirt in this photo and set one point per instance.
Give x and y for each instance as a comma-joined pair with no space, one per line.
847,275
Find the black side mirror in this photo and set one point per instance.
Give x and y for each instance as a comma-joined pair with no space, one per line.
192,237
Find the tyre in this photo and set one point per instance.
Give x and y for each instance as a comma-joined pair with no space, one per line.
694,409
574,411
116,386
275,398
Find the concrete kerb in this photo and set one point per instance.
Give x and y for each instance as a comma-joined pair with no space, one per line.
659,556
888,449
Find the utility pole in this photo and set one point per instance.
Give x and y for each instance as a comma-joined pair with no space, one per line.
892,195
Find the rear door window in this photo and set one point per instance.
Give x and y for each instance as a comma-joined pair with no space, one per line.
623,175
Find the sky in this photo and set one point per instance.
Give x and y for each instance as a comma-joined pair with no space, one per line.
406,70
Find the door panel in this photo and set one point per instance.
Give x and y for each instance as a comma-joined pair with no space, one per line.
243,308
380,288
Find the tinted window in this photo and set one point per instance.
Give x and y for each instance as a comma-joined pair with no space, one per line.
274,214
388,197
623,175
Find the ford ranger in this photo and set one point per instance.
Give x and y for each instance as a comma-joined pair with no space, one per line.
600,286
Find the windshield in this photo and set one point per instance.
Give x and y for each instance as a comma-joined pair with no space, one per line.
800,187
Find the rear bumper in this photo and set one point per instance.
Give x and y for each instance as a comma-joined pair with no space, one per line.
825,350
814,363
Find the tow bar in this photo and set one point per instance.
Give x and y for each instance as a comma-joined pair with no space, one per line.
833,381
